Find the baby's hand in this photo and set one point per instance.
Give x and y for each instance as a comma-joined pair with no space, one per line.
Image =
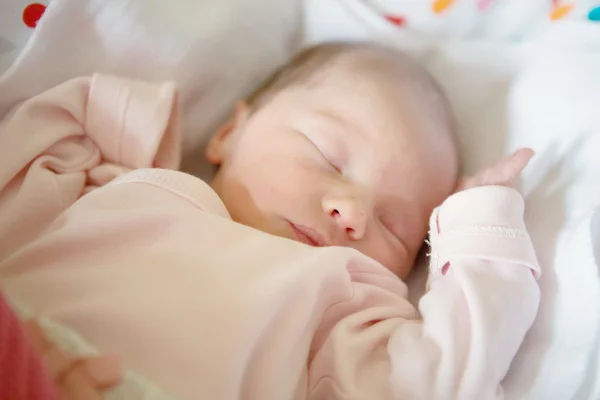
503,173
84,378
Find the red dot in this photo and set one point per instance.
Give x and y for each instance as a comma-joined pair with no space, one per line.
32,14
397,20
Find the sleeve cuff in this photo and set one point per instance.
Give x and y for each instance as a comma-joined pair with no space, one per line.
134,123
484,223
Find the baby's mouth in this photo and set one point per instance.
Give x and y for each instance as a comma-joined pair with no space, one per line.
308,236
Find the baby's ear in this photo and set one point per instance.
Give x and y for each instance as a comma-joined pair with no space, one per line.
216,150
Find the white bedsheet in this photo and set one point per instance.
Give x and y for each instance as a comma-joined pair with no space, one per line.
543,93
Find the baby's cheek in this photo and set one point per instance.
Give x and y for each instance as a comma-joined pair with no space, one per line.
390,255
272,186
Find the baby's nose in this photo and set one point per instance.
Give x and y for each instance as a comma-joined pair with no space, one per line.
349,214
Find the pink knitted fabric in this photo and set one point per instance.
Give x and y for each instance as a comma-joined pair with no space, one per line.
22,372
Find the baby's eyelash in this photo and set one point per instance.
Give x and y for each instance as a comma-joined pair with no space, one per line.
328,159
334,165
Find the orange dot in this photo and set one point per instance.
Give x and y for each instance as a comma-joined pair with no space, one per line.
439,6
561,12
32,14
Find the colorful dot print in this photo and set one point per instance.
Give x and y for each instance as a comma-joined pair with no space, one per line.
32,14
439,6
482,5
594,14
397,20
561,11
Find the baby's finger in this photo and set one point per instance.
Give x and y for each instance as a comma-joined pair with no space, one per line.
104,371
75,385
504,172
517,163
507,170
80,374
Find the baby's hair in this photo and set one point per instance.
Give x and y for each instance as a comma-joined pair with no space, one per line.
420,89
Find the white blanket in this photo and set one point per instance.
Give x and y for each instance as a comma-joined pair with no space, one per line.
554,107
550,104
549,100
215,50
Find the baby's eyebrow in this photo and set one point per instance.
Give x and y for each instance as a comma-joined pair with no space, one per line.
339,128
334,121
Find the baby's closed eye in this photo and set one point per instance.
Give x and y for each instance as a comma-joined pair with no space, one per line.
328,151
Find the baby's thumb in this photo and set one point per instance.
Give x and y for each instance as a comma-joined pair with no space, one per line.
503,173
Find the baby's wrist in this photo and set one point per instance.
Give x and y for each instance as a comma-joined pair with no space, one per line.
484,223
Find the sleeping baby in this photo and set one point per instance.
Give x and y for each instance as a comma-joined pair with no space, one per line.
282,279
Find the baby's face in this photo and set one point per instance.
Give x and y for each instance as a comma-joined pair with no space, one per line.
336,164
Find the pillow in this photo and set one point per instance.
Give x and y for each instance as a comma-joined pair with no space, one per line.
215,50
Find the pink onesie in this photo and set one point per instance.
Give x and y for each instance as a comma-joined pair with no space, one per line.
151,267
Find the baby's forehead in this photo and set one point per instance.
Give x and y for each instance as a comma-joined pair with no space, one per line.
395,89
389,81
376,105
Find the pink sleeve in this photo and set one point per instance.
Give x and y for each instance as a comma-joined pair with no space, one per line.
483,299
77,136
23,375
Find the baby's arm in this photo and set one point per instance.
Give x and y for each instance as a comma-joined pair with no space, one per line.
79,135
483,299
483,295
53,148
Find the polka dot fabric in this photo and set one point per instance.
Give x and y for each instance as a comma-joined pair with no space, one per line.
18,19
32,13
497,19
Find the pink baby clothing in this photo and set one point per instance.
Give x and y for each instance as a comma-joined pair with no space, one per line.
146,263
